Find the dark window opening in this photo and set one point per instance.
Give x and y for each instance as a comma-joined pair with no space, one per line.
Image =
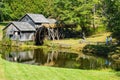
18,33
11,35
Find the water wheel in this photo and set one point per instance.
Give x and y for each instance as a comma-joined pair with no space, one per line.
40,35
42,32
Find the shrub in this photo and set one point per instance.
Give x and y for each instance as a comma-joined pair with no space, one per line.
6,41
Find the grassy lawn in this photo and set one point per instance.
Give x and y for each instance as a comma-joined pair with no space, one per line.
15,71
2,75
94,38
76,45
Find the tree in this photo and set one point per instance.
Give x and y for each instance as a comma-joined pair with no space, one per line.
89,15
4,11
113,17
86,13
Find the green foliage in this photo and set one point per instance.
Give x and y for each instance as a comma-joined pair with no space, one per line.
29,42
21,7
113,17
86,13
116,32
46,42
101,50
6,41
4,11
90,15
101,29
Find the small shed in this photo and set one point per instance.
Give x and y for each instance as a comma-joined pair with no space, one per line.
21,31
34,19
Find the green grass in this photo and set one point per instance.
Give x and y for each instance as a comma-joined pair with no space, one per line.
15,71
77,46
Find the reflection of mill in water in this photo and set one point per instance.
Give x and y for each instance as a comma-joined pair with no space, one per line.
59,58
20,56
36,56
51,56
45,58
39,57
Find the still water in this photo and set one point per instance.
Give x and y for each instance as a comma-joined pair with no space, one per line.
58,58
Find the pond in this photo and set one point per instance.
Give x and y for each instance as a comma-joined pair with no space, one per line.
58,58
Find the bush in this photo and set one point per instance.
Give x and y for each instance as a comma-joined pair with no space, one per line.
101,50
116,32
6,41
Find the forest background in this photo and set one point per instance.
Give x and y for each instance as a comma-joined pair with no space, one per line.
90,16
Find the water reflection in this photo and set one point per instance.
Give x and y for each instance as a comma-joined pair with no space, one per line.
57,58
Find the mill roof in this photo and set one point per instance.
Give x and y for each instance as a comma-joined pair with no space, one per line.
22,26
38,18
52,21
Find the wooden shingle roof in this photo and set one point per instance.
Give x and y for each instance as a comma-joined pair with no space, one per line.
22,26
51,24
52,21
38,18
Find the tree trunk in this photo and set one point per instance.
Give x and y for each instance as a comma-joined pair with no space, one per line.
94,9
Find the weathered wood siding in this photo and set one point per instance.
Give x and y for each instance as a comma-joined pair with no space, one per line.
38,26
10,30
27,19
26,36
14,34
